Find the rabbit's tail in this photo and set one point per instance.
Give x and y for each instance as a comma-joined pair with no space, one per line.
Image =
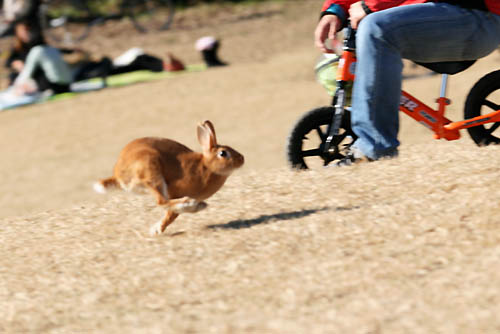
103,185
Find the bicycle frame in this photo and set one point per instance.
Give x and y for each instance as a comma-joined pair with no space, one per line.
433,119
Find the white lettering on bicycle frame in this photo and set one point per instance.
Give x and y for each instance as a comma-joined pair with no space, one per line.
341,62
408,104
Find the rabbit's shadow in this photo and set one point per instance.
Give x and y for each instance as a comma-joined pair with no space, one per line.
265,219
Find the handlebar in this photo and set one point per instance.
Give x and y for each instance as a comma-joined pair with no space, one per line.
350,38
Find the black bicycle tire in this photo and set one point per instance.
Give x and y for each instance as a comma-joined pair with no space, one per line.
304,125
475,100
169,4
52,35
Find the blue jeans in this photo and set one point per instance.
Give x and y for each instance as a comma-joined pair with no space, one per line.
429,32
50,61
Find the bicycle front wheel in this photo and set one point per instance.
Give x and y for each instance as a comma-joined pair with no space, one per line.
149,15
306,142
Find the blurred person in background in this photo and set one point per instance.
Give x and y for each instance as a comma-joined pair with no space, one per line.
34,65
37,67
209,48
20,11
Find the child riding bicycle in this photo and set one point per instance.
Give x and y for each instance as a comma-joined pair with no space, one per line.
387,32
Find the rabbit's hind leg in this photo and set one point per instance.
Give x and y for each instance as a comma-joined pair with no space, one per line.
159,189
160,226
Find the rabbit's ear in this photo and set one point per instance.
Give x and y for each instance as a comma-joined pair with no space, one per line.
206,136
210,126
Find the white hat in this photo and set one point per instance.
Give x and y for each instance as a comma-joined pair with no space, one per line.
205,43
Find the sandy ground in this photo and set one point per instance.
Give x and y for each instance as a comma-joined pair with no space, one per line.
409,245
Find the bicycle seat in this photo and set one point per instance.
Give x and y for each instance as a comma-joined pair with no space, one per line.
448,67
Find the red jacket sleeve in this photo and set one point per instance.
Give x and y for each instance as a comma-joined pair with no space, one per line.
345,4
374,5
493,6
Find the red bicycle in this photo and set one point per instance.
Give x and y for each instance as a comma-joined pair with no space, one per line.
322,134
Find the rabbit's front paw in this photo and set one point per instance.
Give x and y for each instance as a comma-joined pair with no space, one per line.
155,229
189,205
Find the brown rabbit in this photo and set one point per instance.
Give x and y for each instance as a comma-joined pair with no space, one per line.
179,178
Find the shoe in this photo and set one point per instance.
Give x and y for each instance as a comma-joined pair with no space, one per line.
350,160
353,156
173,64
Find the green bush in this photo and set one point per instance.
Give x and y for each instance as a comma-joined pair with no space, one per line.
186,3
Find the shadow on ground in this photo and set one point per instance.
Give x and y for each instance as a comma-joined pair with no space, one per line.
265,219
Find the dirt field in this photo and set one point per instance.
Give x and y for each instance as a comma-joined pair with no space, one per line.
410,245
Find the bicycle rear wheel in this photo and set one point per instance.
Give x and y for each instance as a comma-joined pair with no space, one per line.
484,98
149,15
66,22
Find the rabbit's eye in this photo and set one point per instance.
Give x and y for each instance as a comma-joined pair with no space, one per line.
223,154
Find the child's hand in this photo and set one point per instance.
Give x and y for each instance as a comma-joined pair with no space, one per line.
356,13
326,29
